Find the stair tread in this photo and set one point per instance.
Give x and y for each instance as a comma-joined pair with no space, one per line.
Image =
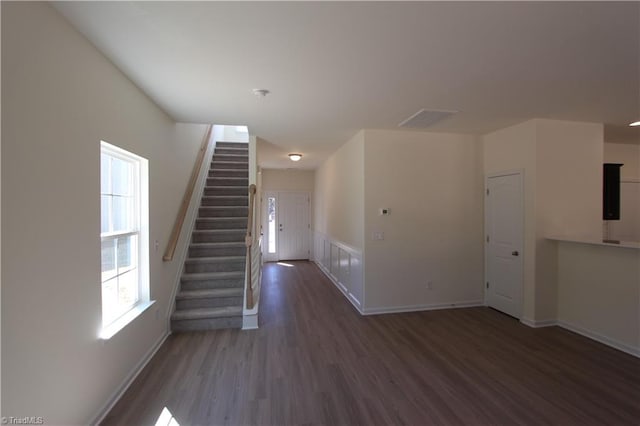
225,196
203,276
210,293
219,231
214,259
218,219
223,207
201,313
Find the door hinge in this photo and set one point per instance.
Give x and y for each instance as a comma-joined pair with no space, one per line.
487,284
309,226
487,238
487,191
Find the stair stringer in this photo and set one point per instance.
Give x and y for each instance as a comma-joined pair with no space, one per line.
184,239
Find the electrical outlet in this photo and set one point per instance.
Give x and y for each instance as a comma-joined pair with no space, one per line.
429,285
156,244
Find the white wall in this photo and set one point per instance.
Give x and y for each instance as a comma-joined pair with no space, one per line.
61,98
568,197
627,154
288,180
232,135
514,148
562,163
339,194
432,183
599,293
628,227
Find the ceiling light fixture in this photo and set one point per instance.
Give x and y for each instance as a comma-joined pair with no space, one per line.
295,157
635,123
261,93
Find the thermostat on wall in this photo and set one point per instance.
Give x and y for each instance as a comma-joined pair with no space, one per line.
385,212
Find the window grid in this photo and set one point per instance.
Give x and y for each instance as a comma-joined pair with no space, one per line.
120,233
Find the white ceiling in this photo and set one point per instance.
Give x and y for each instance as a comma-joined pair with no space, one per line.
336,67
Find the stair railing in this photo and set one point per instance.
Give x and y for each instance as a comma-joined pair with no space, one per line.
250,242
186,200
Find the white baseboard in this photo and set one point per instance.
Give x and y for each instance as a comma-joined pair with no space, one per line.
419,308
115,397
355,302
601,338
583,332
250,322
538,324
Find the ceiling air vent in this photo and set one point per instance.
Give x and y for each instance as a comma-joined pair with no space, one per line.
424,118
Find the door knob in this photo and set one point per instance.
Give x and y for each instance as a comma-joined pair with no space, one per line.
515,253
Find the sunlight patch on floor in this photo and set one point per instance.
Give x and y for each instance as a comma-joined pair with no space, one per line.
166,419
288,265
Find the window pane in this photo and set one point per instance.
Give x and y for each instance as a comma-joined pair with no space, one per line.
105,173
108,260
121,177
127,250
109,301
127,289
271,218
105,213
122,214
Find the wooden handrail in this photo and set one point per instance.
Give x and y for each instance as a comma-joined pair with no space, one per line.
249,243
186,200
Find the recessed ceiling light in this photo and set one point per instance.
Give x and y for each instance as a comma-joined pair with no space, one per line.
295,157
635,123
261,93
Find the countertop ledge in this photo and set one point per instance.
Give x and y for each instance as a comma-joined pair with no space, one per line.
593,241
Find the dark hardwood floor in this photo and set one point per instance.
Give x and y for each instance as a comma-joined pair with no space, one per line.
315,360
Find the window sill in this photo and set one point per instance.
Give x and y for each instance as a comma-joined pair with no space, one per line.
112,329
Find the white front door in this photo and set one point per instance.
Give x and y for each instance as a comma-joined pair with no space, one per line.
286,226
293,225
504,227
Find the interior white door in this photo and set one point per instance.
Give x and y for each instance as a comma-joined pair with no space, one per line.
293,225
504,223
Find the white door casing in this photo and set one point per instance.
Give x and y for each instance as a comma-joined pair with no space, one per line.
504,229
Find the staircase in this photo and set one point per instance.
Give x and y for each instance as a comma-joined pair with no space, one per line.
212,283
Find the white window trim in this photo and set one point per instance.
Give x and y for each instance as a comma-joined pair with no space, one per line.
144,301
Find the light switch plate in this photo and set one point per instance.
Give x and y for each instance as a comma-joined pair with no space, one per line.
378,235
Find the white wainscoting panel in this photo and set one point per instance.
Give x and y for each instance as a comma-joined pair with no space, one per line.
342,264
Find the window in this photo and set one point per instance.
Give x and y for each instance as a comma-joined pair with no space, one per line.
124,221
271,219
